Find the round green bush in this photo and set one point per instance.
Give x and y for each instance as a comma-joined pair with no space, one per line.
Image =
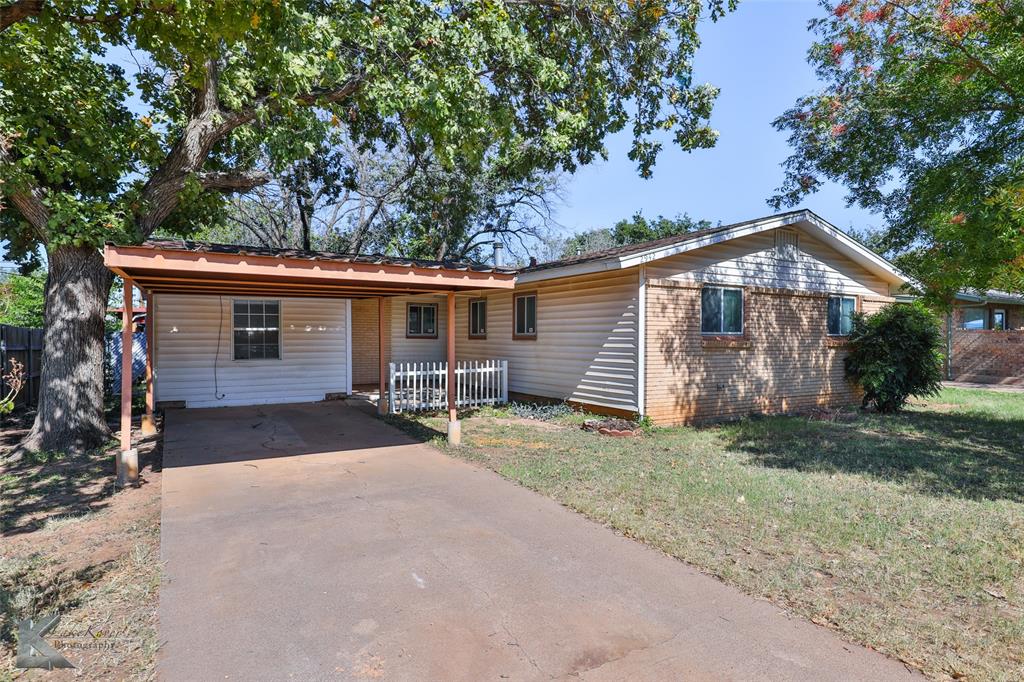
894,354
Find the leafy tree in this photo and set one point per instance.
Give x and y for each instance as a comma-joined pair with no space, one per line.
894,354
920,117
398,201
89,153
22,300
635,230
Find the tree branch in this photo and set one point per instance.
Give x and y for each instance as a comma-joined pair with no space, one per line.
242,181
208,124
19,10
28,201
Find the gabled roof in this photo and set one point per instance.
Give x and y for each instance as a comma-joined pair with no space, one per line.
636,254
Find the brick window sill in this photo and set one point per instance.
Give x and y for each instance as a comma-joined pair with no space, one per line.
837,342
739,342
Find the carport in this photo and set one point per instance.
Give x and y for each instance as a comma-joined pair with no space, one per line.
194,268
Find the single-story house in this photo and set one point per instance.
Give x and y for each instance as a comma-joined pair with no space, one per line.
718,323
985,338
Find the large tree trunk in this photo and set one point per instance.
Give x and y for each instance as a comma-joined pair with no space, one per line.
70,417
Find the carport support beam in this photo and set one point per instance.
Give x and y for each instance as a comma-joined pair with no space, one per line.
382,406
127,459
454,427
148,424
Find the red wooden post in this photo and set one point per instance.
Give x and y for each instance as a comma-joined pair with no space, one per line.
454,427
148,424
127,463
381,358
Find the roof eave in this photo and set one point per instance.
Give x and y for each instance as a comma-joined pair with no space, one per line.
850,247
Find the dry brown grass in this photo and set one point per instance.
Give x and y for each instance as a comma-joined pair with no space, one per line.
75,546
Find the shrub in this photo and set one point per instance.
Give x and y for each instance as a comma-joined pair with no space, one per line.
894,354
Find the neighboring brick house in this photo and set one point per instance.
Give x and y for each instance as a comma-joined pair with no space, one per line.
985,341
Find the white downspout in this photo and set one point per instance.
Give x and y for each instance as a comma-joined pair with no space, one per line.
641,378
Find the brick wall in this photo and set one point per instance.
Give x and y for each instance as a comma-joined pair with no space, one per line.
988,356
785,362
365,354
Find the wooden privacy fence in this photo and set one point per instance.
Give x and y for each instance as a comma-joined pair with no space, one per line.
25,345
423,386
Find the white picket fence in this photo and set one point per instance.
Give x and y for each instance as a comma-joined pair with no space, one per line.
423,386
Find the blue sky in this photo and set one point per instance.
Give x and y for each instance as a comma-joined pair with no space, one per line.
756,56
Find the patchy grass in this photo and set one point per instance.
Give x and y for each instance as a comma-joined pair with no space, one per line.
904,533
73,546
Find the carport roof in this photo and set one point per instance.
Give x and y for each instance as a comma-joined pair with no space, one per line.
188,267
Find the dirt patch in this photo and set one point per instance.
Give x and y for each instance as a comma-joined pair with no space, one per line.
522,421
75,545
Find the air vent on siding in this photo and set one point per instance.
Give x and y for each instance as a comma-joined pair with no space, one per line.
787,244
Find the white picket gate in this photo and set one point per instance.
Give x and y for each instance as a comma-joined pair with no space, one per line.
423,386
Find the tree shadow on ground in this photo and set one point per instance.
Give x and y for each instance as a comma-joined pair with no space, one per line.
40,489
972,456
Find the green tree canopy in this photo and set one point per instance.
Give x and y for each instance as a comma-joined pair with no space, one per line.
920,117
22,299
226,90
634,230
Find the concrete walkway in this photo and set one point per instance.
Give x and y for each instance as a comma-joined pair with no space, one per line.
314,542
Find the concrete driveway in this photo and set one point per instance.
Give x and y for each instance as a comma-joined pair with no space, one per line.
314,542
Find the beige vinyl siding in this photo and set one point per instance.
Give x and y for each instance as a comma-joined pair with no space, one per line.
751,261
586,348
417,349
313,353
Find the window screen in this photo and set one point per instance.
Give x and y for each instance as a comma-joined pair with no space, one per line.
787,244
526,315
421,320
721,310
257,330
478,318
840,314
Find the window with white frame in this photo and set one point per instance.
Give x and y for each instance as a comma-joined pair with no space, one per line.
840,314
256,330
478,319
525,317
999,319
721,310
421,320
973,318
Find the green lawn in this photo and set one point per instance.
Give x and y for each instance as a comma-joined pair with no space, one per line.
905,533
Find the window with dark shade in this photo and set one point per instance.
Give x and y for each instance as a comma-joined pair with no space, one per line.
840,315
478,319
526,316
421,320
721,310
257,330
